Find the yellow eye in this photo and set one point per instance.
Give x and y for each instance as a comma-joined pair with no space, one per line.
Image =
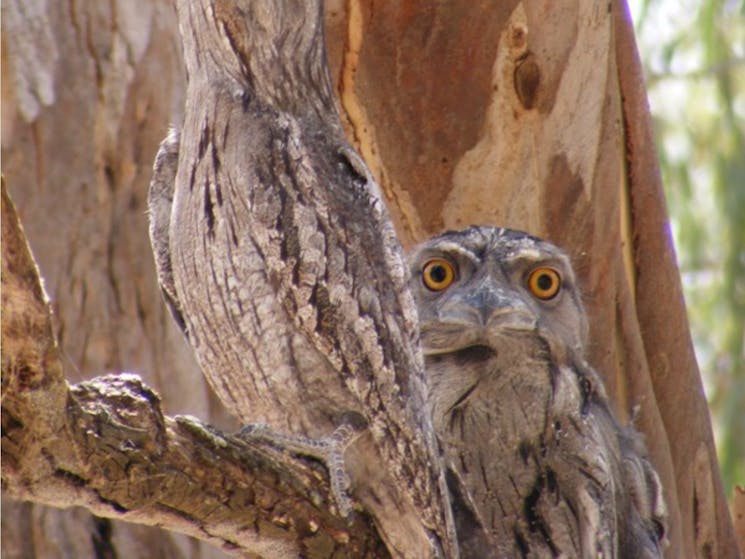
544,283
438,274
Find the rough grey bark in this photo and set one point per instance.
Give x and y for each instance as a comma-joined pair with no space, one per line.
278,256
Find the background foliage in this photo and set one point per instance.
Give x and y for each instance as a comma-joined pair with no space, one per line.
694,58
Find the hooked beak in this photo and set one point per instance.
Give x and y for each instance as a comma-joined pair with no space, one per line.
479,319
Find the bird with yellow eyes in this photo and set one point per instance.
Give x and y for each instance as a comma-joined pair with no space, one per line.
536,463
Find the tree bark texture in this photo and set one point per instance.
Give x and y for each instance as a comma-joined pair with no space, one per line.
88,91
513,113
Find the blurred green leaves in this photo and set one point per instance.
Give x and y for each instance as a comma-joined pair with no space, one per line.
694,57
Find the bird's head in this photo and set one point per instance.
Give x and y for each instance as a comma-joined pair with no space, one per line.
484,290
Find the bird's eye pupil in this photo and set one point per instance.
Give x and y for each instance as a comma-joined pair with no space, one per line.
438,274
545,282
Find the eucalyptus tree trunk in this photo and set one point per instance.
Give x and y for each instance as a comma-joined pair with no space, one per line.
507,114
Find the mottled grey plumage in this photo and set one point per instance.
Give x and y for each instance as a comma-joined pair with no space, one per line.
537,465
278,259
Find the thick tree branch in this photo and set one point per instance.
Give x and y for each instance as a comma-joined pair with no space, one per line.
106,445
698,498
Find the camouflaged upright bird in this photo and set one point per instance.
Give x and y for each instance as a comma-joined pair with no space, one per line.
278,259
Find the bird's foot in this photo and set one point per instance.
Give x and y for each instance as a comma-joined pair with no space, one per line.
329,450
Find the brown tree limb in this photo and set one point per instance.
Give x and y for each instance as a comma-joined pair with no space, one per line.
105,444
703,525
